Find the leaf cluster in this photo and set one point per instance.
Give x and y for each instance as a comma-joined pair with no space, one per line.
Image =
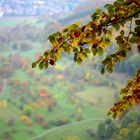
95,36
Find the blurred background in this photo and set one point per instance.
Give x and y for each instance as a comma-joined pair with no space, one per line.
65,102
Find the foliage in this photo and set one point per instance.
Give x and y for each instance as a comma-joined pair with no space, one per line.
27,110
94,37
130,130
26,120
137,134
106,129
120,130
130,96
131,117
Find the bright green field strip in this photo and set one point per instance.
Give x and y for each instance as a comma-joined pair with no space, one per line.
73,129
8,24
23,132
64,112
27,132
102,97
13,21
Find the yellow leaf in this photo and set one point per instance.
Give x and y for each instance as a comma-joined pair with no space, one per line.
77,23
60,50
59,55
74,44
102,45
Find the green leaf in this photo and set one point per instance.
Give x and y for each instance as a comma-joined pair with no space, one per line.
79,60
46,54
123,91
114,115
56,34
137,29
116,59
132,39
109,113
59,56
106,60
107,5
68,50
55,58
137,21
87,50
110,8
116,26
65,30
98,10
109,32
136,16
122,32
120,1
102,71
107,40
51,38
100,50
73,27
34,64
119,39
84,54
75,50
75,57
94,51
41,65
46,64
94,16
109,68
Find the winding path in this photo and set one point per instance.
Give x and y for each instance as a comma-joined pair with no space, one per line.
70,124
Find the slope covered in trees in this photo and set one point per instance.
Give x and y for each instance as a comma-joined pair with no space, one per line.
34,102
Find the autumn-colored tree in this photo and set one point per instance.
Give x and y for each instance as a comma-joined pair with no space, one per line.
94,37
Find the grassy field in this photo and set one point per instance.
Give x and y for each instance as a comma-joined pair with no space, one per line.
63,111
101,97
78,129
8,113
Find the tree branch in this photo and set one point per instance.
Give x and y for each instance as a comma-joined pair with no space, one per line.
109,24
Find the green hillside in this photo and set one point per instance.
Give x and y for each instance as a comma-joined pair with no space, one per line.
66,102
